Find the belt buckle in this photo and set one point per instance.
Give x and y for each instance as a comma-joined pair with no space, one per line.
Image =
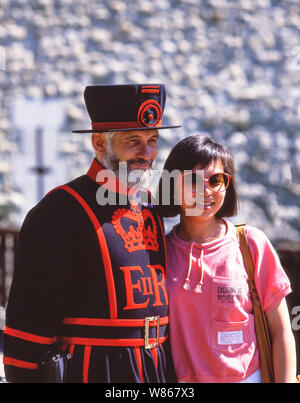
149,319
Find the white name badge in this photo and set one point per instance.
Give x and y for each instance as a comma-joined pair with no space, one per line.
227,338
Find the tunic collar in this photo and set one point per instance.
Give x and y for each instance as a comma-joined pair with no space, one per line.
105,177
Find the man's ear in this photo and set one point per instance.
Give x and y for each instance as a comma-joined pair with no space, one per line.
99,143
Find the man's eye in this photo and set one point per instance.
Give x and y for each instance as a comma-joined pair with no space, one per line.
132,142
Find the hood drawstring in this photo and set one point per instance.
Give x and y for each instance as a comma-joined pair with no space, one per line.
187,285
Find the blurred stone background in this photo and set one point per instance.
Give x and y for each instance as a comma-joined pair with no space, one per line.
231,68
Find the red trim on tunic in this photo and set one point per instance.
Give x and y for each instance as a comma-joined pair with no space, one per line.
94,169
104,251
104,177
29,336
88,341
154,354
86,363
19,363
113,322
139,362
111,182
71,349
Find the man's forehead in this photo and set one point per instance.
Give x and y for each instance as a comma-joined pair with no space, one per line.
144,134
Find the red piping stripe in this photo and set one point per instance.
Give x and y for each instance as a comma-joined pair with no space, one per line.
19,363
113,322
84,341
71,349
154,354
86,363
139,362
29,336
104,250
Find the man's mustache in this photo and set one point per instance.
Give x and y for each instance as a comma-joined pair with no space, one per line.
140,161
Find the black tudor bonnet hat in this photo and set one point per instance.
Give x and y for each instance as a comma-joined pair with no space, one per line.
125,107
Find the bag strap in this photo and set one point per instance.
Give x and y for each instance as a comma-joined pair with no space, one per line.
248,261
261,325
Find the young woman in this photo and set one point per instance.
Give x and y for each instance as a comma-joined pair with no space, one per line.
211,321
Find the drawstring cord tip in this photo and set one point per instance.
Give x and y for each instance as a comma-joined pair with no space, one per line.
198,289
186,285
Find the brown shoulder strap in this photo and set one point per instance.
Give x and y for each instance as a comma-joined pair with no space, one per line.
261,325
240,229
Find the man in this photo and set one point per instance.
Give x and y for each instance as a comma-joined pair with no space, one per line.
90,276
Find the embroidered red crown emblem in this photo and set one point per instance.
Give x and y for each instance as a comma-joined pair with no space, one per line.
142,234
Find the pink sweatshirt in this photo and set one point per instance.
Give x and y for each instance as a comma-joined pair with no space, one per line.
211,321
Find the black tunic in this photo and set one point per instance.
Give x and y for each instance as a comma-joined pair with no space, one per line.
87,276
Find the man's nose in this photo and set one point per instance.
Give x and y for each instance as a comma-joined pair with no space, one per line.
144,152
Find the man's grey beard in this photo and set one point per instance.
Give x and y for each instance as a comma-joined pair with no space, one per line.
137,177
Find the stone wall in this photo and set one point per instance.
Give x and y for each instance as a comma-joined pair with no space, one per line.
231,69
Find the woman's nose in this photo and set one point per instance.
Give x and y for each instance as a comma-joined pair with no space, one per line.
207,189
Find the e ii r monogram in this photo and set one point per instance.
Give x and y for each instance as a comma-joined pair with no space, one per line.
144,286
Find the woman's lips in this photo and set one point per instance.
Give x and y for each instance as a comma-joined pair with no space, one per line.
208,206
205,205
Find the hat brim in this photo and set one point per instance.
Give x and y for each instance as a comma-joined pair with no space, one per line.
125,130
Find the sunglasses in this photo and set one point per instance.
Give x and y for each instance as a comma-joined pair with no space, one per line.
218,182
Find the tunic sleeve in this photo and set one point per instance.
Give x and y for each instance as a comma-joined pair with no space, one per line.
35,303
271,280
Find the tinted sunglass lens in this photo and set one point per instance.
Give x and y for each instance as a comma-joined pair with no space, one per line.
218,181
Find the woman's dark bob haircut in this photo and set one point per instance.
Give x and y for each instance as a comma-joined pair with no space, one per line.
186,155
